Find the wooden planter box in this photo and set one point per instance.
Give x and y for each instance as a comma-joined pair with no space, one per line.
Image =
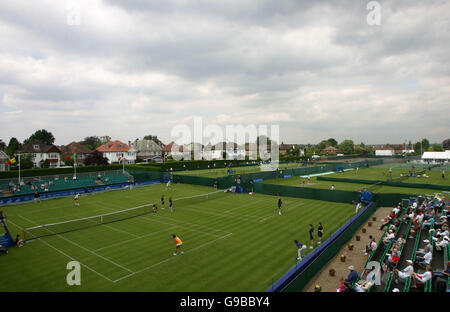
342,258
369,223
332,272
358,238
350,247
374,218
363,230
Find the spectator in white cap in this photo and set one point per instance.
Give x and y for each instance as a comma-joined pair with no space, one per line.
395,290
405,273
428,245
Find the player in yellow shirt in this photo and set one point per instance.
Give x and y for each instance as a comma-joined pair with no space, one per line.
178,243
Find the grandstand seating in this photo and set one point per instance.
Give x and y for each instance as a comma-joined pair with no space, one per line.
60,184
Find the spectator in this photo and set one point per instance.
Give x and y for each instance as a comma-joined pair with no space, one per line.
405,273
18,241
442,243
445,273
415,228
422,278
425,260
387,221
353,276
371,246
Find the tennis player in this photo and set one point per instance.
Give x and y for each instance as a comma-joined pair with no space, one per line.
319,232
280,203
76,198
311,236
162,201
170,204
178,244
168,184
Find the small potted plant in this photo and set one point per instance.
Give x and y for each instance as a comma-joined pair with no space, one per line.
374,218
369,223
350,246
358,238
332,272
342,257
363,230
318,288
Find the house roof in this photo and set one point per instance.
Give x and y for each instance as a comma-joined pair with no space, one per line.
39,147
113,146
168,147
146,146
284,147
3,156
74,147
330,148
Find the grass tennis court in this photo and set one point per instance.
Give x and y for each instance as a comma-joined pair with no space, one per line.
222,172
372,174
232,242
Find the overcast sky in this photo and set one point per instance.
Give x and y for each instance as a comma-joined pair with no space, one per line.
315,68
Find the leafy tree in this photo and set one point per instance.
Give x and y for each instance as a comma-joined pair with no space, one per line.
25,162
96,159
105,139
346,147
437,148
2,145
13,146
154,138
91,142
446,144
422,146
41,135
333,142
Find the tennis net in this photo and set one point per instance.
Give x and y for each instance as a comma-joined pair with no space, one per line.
82,223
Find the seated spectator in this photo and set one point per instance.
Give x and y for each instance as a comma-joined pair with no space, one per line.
421,251
371,246
387,221
425,260
341,288
401,241
441,243
421,279
353,276
362,286
18,241
405,273
416,226
445,273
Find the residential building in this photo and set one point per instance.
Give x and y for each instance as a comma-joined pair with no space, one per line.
115,151
148,150
330,150
76,148
3,161
40,152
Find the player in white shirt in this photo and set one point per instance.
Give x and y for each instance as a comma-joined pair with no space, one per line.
76,198
168,184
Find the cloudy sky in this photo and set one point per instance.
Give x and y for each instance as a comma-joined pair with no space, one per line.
318,69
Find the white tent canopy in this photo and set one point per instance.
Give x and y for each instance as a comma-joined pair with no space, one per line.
436,155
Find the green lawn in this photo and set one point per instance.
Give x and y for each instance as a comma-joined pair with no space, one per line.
236,242
298,181
381,175
222,172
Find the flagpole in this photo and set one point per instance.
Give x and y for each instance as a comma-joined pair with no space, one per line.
19,168
75,164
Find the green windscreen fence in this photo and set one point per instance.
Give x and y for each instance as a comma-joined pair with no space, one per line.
145,175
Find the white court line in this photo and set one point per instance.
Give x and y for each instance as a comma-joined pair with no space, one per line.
129,240
168,259
71,258
88,250
264,219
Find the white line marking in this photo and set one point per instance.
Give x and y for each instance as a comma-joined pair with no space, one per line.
139,237
81,247
264,219
168,259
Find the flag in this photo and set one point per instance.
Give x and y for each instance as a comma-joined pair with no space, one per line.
120,158
12,161
70,157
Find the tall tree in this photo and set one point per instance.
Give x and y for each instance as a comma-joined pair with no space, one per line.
346,147
105,139
154,138
333,142
41,135
13,146
2,145
437,148
446,144
91,142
